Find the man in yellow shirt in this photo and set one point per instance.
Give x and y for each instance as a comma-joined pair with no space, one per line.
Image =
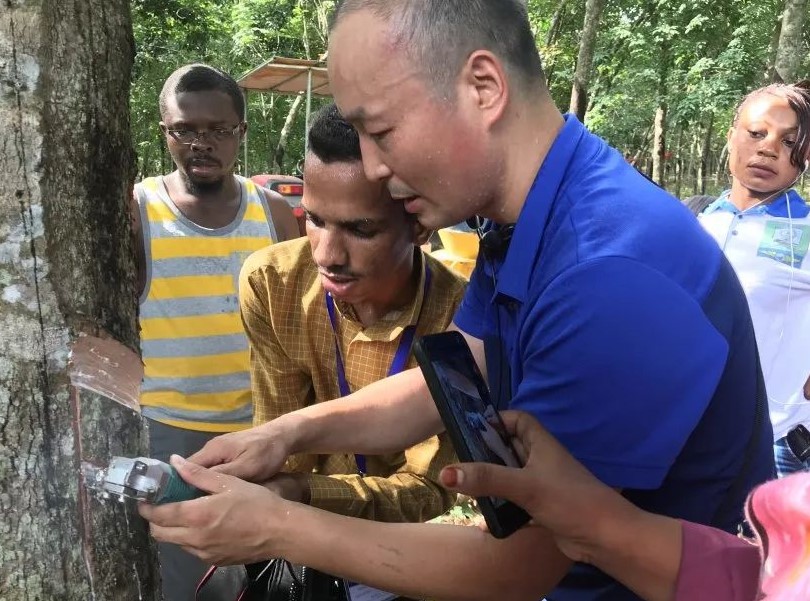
338,311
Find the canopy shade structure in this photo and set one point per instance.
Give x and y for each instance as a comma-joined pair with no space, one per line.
288,76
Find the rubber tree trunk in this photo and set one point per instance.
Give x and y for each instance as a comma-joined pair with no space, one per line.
703,167
556,23
660,121
721,166
694,157
584,70
68,314
284,136
660,145
679,162
770,74
790,52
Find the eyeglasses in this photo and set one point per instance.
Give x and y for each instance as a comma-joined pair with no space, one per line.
189,136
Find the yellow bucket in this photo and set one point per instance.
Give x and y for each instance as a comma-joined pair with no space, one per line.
459,252
463,245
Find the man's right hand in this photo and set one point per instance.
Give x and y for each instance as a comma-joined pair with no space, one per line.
255,455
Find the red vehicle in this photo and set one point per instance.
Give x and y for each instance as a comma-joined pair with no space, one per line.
290,187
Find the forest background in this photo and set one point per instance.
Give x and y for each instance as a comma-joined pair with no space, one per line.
658,79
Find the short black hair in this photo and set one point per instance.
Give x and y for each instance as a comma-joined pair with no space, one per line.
333,139
440,35
202,78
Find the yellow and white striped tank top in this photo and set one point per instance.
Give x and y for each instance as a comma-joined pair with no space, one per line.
194,348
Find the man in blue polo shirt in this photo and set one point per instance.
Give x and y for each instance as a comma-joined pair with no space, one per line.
598,304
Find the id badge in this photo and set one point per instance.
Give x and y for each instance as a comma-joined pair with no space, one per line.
361,592
784,243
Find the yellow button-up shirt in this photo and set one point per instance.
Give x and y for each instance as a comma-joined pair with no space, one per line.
293,365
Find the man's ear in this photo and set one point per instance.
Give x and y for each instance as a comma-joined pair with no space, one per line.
485,80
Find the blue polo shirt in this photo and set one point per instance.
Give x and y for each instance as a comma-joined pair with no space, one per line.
628,336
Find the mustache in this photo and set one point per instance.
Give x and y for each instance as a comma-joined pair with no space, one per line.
203,158
339,271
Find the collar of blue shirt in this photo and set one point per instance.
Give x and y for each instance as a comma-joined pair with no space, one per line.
777,208
531,224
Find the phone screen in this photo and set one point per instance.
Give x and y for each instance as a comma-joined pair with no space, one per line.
472,421
478,421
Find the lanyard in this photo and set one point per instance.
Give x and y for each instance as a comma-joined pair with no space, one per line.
400,357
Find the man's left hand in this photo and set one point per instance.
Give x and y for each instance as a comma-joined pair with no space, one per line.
234,524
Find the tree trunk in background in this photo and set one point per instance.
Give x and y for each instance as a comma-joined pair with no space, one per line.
691,169
556,23
68,314
791,47
604,81
582,75
660,123
281,148
660,145
721,165
552,35
267,114
770,74
679,163
644,147
703,166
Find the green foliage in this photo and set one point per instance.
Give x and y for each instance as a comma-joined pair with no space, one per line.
697,57
464,513
235,36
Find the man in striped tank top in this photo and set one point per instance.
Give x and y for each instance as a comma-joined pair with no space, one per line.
195,227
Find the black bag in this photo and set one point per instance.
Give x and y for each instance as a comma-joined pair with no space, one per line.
697,204
273,580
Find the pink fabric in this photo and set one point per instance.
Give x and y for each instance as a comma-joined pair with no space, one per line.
716,565
779,511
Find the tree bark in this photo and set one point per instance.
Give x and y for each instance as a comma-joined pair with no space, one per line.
694,159
660,123
791,48
584,70
67,299
770,74
660,145
281,148
721,165
703,166
643,148
679,163
556,23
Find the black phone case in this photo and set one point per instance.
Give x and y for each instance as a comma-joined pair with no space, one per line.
798,440
506,518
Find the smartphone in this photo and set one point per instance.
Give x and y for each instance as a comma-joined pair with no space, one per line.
474,425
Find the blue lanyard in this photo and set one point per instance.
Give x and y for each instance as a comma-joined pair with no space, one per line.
400,357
